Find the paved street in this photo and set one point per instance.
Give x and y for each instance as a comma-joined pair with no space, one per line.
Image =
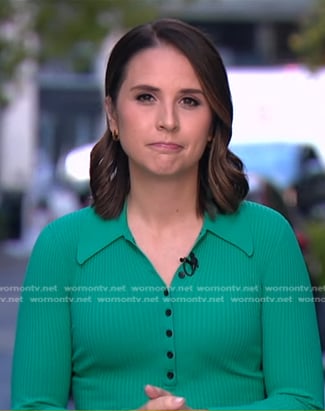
12,270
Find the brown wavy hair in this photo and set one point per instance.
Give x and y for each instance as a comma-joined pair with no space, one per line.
222,182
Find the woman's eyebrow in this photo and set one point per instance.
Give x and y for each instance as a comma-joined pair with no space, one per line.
191,91
144,87
147,87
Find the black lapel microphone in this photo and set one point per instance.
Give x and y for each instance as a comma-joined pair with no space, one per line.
189,264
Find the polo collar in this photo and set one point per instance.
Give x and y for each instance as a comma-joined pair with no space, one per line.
98,233
233,228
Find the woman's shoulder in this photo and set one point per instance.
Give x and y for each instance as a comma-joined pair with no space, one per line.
263,220
83,232
74,220
67,229
250,225
260,212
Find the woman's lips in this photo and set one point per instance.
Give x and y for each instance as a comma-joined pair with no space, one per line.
165,147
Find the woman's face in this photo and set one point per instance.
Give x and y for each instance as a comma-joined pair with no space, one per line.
161,114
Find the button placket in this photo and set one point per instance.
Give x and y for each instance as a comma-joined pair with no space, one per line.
169,354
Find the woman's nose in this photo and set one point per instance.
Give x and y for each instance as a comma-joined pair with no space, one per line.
167,118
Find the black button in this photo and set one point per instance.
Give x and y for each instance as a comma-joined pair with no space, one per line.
181,274
169,333
168,312
170,354
170,375
166,292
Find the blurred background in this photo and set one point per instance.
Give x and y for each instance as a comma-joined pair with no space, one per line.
52,62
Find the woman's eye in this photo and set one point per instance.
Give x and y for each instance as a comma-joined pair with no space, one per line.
189,101
147,98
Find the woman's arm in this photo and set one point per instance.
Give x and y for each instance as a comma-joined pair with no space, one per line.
291,348
41,371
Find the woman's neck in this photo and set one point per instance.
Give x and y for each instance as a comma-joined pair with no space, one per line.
163,202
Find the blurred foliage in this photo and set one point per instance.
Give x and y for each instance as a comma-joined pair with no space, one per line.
316,231
12,47
62,30
309,42
73,29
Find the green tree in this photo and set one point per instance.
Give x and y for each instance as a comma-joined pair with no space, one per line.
309,42
13,49
73,29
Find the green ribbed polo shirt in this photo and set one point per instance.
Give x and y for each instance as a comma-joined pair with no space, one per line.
96,319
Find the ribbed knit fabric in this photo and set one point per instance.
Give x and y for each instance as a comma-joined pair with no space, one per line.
97,319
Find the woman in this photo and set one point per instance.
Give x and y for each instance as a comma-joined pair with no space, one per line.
171,291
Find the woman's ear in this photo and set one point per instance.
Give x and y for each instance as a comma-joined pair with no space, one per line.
110,114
